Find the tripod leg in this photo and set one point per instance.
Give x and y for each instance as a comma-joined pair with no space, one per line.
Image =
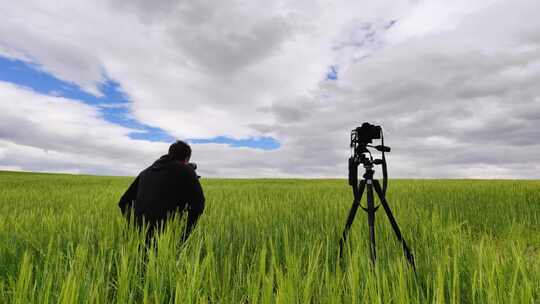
393,222
357,193
371,220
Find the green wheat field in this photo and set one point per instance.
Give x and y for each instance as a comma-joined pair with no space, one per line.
63,240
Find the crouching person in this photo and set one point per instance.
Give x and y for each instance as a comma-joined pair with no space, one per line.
169,186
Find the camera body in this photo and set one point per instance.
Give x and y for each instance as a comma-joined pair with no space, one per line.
365,134
362,136
361,139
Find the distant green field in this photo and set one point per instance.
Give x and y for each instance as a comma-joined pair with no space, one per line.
63,240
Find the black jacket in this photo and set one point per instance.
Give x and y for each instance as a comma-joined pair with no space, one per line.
167,186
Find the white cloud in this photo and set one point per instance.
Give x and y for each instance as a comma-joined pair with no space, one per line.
452,83
41,133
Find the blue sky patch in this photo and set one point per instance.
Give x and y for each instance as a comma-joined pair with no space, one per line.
113,105
332,73
265,143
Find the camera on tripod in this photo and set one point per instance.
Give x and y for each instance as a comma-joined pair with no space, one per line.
361,139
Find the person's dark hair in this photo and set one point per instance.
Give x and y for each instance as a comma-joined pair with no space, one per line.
179,150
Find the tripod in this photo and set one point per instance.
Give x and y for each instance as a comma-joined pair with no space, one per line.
358,191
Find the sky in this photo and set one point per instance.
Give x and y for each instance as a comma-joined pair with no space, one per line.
271,88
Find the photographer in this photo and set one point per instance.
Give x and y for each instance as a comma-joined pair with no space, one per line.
168,186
